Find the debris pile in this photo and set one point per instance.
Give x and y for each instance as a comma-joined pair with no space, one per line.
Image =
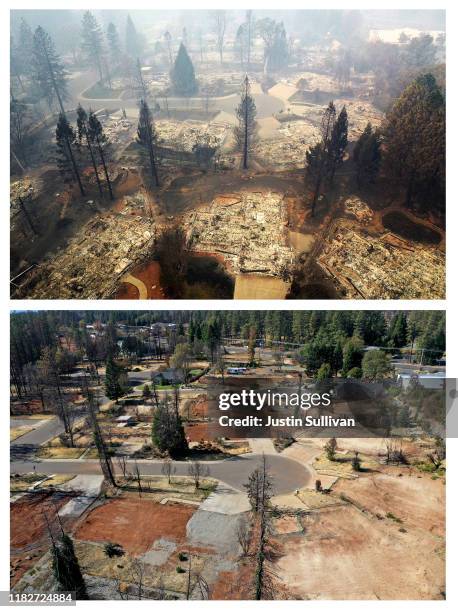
24,188
136,202
288,148
360,113
92,263
311,81
183,135
356,207
247,229
117,129
385,267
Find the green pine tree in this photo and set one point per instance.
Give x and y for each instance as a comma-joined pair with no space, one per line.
113,388
338,143
245,131
65,141
367,156
66,568
146,136
182,74
48,72
92,41
114,44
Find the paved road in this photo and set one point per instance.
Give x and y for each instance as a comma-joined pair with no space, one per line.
48,430
287,474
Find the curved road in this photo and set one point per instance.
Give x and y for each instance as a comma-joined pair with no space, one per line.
287,474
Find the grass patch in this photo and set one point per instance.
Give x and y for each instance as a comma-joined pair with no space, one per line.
181,487
58,479
98,91
314,500
17,432
59,452
393,517
430,468
24,481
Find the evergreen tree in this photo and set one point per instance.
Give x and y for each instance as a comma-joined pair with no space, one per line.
370,326
146,136
97,136
375,365
114,44
113,388
367,156
92,41
25,48
81,122
278,54
19,131
352,354
48,72
65,140
317,157
133,39
182,74
414,142
338,143
245,132
168,432
397,331
66,568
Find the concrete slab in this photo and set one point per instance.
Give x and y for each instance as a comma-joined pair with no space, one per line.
90,486
160,552
226,500
215,530
262,445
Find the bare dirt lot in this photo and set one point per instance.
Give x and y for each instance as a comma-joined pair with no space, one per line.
135,523
346,555
28,531
417,500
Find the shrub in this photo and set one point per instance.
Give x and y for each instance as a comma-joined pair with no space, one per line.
113,550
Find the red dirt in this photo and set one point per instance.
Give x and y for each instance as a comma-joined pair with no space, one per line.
126,291
28,525
238,584
198,408
195,432
28,531
32,407
149,273
135,524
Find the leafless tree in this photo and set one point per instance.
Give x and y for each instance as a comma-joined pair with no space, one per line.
197,471
138,479
168,469
138,575
259,487
219,26
243,535
123,465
